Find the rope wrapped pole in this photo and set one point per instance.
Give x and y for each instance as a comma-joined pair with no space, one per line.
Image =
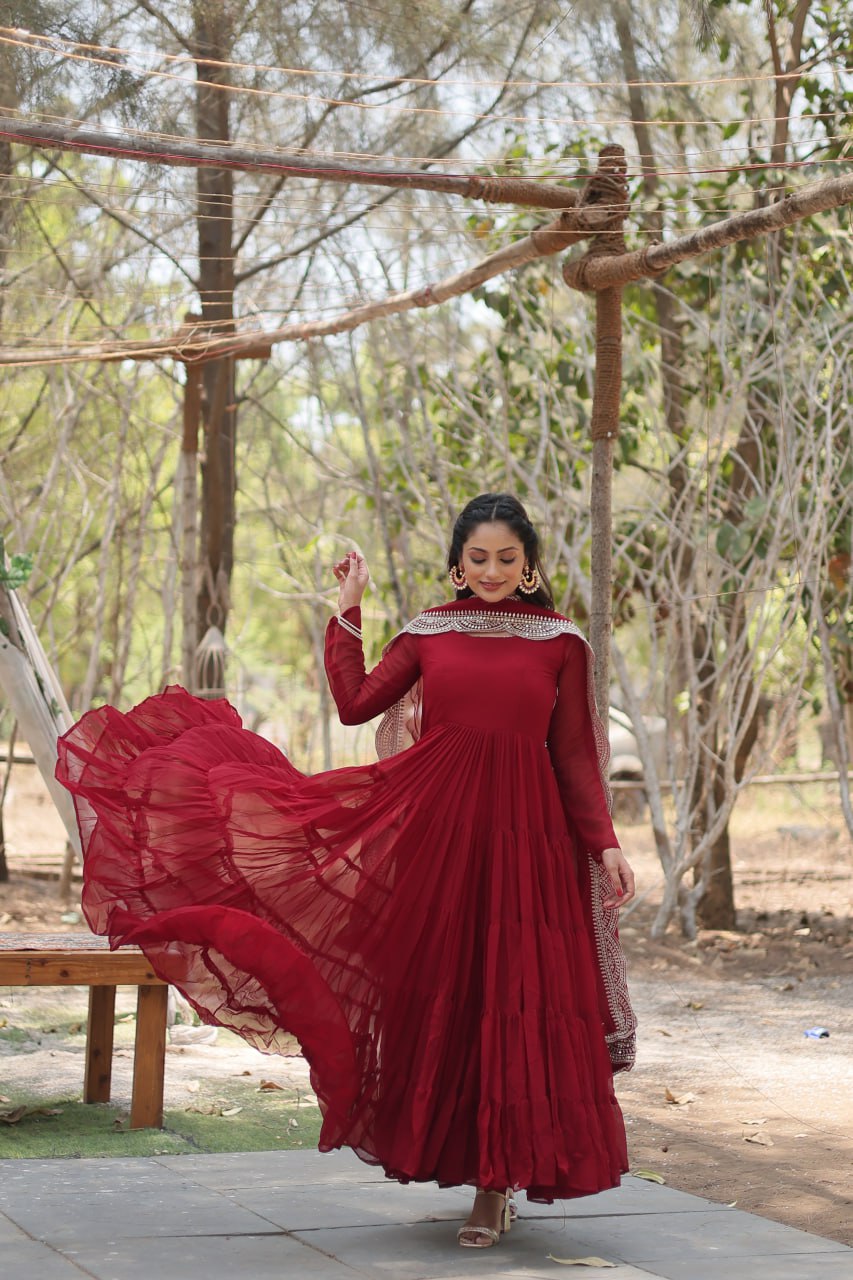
188,496
607,189
587,272
194,342
170,150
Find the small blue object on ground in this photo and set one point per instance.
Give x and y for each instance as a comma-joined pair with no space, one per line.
816,1033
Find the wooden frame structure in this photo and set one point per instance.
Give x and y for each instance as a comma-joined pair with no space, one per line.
597,214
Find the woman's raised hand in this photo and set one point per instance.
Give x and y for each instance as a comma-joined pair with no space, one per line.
352,576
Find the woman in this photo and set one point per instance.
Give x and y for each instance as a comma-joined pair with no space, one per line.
436,928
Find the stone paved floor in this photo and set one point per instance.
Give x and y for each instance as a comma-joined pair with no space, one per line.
282,1215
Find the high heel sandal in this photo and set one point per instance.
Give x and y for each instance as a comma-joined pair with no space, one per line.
466,1235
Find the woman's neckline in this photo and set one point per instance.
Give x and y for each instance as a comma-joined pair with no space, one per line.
510,604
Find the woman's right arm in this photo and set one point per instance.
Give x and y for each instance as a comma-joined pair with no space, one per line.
361,695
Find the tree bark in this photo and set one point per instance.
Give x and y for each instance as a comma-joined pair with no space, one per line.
187,495
4,791
8,103
716,907
672,358
212,40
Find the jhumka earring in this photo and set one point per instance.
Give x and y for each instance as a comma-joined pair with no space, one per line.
458,578
530,580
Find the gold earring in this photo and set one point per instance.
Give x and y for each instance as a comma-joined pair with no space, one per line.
458,578
530,580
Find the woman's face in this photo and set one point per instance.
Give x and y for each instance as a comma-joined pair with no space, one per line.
493,560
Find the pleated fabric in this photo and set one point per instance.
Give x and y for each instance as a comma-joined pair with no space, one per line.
416,923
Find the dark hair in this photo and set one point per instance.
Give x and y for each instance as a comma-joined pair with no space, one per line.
503,508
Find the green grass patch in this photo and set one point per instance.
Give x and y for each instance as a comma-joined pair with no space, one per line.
236,1118
15,1035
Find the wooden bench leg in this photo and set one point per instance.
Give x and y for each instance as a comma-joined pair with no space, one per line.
99,1044
149,1058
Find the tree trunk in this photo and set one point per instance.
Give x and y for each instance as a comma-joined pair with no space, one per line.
188,549
33,696
8,103
716,908
4,791
212,31
672,359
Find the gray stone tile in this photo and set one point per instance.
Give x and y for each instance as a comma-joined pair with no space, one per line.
634,1196
548,1271
290,1215
29,1260
299,1208
645,1240
428,1251
264,1257
66,1221
9,1232
814,1266
98,1176
273,1168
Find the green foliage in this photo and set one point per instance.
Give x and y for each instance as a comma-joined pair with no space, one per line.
14,572
380,437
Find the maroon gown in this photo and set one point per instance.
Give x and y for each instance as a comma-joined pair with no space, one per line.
428,926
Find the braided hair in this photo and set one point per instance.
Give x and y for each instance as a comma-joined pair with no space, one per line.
500,508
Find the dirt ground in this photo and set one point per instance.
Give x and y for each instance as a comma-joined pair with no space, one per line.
730,1099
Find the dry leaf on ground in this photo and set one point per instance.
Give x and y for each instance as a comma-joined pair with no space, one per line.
14,1114
760,1139
581,1262
266,1086
648,1176
679,1099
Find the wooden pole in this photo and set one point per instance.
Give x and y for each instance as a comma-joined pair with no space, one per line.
591,273
198,342
179,152
188,498
602,272
608,189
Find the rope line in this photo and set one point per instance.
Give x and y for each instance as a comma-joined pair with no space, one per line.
137,145
12,36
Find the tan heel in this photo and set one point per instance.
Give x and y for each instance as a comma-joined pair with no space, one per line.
473,1236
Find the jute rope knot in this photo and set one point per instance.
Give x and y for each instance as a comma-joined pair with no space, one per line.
607,191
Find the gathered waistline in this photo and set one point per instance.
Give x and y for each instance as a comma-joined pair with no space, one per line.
484,732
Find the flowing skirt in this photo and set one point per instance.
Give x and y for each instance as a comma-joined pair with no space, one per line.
416,923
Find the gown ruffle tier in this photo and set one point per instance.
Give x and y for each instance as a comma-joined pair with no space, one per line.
423,925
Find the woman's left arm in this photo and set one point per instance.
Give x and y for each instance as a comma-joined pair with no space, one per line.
574,756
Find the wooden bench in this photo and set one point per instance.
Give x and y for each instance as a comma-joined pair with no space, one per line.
85,960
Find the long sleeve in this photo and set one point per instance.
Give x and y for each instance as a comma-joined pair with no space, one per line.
360,695
571,743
